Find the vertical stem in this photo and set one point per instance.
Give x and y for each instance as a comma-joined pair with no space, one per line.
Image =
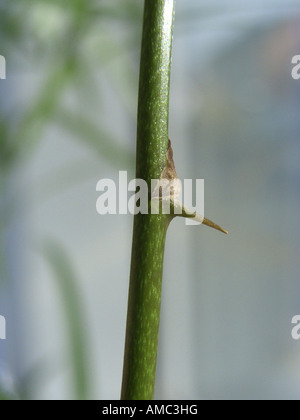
149,231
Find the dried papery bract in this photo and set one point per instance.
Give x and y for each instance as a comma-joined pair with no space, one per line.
166,195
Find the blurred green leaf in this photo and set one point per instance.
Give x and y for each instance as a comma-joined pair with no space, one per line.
37,376
73,311
29,131
4,396
91,134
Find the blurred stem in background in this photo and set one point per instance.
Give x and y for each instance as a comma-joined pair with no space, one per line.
149,231
73,310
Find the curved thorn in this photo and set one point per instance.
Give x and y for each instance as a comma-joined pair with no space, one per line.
213,225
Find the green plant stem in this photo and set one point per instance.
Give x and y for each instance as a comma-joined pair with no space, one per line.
149,231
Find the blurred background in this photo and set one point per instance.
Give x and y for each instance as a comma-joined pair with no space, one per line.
68,119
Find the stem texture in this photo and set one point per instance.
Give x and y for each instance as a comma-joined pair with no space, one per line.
149,231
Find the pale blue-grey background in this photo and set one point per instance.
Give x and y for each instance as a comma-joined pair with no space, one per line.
227,301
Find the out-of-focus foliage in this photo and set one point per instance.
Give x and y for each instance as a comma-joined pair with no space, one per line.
76,323
67,46
234,109
68,43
